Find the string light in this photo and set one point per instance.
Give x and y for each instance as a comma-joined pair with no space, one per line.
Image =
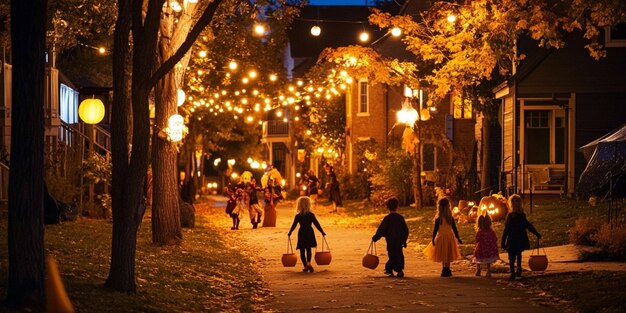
102,50
451,18
364,36
202,54
259,29
232,65
273,77
396,32
316,30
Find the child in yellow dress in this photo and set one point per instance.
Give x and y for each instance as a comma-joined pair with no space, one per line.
444,247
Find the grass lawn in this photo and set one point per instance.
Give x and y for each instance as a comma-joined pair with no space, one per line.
590,291
551,216
205,274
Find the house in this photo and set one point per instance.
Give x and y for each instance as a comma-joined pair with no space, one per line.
339,25
64,132
371,116
556,101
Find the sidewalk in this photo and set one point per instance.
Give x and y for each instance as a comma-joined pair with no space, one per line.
345,286
565,259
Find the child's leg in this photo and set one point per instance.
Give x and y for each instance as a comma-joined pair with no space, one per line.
512,256
488,270
303,257
477,269
519,264
308,255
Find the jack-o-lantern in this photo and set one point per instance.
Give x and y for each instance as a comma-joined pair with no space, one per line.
473,214
495,206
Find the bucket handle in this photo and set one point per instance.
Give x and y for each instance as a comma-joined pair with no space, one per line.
537,249
289,246
324,241
372,248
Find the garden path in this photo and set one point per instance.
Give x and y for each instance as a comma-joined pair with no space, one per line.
345,286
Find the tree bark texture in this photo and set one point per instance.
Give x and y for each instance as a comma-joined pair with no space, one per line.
122,271
25,224
417,170
490,156
166,225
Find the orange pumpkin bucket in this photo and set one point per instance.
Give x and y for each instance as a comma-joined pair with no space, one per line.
323,257
289,259
538,262
370,259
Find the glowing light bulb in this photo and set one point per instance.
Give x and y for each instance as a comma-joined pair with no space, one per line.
273,77
232,65
396,32
245,80
316,30
252,74
451,18
202,54
102,50
364,37
259,29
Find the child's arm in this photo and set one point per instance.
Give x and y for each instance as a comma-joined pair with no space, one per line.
405,232
317,225
505,233
456,232
532,229
381,231
295,222
435,230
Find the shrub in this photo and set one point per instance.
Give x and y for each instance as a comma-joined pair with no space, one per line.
354,187
583,232
392,176
611,241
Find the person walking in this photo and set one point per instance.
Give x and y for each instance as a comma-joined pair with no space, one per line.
486,250
444,247
334,194
312,185
306,235
254,208
396,232
515,237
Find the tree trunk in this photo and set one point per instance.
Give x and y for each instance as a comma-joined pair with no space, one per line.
25,224
417,170
486,170
166,228
122,271
166,225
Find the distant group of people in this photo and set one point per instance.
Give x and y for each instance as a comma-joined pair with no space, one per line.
313,188
243,197
444,245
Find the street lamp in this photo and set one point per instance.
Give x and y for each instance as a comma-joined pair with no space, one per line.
411,118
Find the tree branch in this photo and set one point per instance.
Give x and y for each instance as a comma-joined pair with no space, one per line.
203,22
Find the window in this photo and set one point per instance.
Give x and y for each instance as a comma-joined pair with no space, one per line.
537,136
363,97
68,104
615,36
428,157
461,108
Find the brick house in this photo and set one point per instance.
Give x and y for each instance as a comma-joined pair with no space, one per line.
371,115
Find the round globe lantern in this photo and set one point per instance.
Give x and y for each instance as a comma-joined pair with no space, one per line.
91,111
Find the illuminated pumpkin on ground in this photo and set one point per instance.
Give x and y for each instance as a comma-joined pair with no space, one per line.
495,206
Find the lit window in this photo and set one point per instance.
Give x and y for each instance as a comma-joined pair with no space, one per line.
461,108
363,97
68,104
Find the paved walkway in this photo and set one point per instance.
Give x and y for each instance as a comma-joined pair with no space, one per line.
345,286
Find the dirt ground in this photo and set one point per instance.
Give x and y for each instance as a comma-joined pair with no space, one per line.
346,286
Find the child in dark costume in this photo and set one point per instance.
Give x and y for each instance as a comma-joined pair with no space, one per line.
396,232
515,237
306,236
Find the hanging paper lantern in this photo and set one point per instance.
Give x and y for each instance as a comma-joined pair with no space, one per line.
180,97
91,111
316,30
176,129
